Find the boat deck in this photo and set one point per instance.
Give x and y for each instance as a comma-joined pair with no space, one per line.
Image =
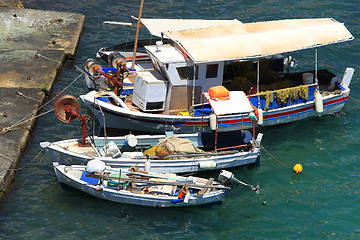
76,147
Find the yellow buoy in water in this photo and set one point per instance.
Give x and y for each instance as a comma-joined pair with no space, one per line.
297,168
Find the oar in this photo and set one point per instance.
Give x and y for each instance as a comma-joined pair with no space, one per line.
150,175
158,182
197,154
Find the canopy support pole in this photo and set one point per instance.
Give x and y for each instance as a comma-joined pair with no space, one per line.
258,82
193,91
316,79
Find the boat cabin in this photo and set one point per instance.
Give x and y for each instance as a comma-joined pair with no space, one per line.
199,59
169,84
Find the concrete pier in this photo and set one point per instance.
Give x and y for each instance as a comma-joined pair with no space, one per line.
33,46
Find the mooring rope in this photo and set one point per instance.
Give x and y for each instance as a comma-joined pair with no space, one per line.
40,55
23,95
17,169
42,190
30,116
354,99
285,164
7,158
273,156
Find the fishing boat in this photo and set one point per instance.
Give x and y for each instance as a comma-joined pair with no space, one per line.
168,90
140,188
127,49
167,153
177,153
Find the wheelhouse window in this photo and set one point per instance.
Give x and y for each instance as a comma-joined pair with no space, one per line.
212,70
187,73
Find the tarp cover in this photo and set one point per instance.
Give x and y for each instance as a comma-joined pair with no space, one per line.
173,145
237,103
252,40
157,26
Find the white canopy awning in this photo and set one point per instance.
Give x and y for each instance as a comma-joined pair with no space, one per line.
253,40
157,26
236,103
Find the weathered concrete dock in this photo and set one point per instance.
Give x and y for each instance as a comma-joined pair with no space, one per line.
33,46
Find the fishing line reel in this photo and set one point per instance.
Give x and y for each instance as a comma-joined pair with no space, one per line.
115,78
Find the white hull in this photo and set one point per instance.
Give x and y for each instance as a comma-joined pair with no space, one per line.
125,196
206,161
123,118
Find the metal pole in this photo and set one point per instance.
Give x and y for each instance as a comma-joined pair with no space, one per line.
316,79
258,83
193,90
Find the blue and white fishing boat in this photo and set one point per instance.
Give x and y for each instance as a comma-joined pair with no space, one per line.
140,188
168,90
176,153
169,153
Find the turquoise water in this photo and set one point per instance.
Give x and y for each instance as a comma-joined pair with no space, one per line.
321,203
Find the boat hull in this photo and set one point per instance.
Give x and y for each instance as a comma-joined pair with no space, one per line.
123,118
205,161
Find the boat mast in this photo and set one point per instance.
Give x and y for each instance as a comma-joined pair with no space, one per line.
137,34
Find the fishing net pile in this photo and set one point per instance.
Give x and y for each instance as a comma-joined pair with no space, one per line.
172,145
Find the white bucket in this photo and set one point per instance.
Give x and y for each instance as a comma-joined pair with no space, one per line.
308,78
131,140
110,150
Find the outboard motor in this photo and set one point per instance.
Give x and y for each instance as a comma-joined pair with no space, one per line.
227,178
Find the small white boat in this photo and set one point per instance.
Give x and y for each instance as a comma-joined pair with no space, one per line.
240,56
161,153
139,188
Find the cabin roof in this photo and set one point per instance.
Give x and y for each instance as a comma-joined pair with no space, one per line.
237,102
166,53
259,39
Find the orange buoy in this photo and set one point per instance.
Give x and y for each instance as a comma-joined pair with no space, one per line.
297,168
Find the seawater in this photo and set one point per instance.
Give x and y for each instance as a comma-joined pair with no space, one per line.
321,203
